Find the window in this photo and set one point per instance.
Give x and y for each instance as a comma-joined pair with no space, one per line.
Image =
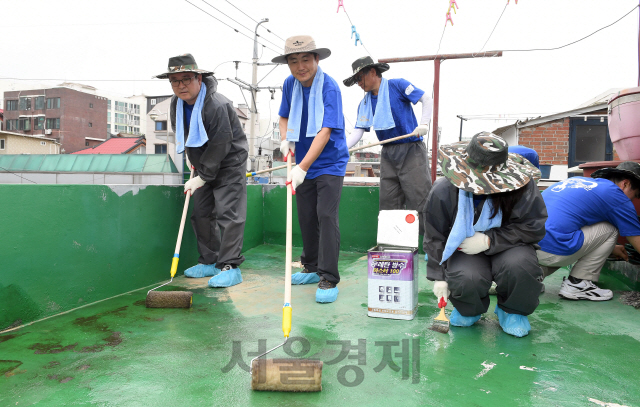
589,141
108,117
161,125
108,104
1,144
161,149
39,103
12,105
90,105
53,103
25,103
43,143
109,128
12,124
90,124
24,124
121,118
86,143
53,123
38,123
153,102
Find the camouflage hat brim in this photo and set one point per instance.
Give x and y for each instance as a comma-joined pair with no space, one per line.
515,173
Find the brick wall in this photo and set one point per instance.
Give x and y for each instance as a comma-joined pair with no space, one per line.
550,140
75,114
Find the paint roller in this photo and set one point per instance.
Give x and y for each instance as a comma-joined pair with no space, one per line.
377,143
296,375
173,299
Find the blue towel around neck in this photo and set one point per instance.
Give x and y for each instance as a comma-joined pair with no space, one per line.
382,119
463,226
315,109
197,134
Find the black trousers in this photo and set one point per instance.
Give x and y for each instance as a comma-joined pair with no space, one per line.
515,271
318,202
405,178
219,215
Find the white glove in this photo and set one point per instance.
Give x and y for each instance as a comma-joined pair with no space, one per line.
441,289
193,184
286,145
421,130
475,244
297,176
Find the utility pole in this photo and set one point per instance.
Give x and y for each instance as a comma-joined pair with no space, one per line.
437,59
254,90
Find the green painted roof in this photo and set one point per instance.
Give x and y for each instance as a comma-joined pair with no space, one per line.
87,163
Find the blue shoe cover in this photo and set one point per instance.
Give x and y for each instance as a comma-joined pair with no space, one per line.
304,278
326,296
458,320
226,278
513,324
202,270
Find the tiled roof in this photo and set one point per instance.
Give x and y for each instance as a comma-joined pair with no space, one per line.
115,145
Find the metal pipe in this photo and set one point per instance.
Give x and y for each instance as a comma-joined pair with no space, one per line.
486,54
436,102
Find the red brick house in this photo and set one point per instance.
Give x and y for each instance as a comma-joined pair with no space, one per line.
566,139
75,119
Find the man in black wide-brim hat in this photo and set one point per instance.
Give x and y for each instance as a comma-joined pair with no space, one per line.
586,216
405,179
209,132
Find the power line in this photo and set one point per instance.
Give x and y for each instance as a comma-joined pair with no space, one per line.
234,29
254,20
571,43
242,25
494,27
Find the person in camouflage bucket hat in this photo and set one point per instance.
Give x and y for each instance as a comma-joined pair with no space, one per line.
483,222
484,166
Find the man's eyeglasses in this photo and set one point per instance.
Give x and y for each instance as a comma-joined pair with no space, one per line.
359,77
176,82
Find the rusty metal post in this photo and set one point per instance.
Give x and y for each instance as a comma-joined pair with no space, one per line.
436,102
437,59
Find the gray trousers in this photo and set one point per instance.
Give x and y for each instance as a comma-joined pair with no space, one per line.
218,217
405,178
515,271
318,202
599,240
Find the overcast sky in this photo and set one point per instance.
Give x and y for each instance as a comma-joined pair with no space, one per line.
133,39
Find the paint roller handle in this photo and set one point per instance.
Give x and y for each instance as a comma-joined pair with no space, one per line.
252,174
176,253
286,320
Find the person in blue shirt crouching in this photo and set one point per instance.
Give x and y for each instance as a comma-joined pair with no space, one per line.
586,216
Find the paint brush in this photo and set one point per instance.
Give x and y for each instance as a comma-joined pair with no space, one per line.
441,322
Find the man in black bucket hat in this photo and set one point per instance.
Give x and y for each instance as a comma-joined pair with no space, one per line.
405,178
209,132
586,216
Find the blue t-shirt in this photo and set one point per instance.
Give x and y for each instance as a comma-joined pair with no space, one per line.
528,153
401,95
335,155
188,109
579,201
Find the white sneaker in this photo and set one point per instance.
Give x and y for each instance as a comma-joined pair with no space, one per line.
584,290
